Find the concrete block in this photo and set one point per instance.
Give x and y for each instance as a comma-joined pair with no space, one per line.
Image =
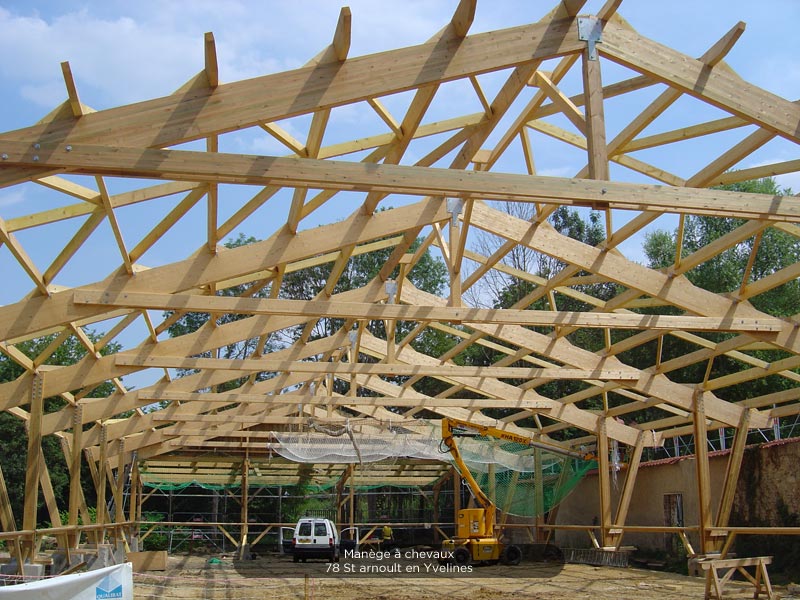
103,558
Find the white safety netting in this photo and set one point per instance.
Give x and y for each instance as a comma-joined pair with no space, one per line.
341,445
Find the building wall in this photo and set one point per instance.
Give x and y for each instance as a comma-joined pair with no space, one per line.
768,479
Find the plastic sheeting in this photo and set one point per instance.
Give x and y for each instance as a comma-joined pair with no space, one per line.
478,453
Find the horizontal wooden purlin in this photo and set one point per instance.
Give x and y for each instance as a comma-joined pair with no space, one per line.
311,399
289,479
395,369
383,178
262,469
279,463
261,419
404,312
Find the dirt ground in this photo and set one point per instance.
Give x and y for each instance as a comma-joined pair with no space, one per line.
276,577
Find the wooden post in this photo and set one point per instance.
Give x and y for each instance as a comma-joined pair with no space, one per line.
352,496
595,119
101,484
133,506
33,470
135,494
74,461
509,499
341,499
82,509
96,534
702,470
491,484
604,480
552,514
119,505
538,491
7,519
732,475
244,502
627,491
50,500
437,489
455,266
456,493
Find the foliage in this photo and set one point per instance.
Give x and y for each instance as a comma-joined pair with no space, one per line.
14,449
724,274
191,322
156,540
522,293
429,274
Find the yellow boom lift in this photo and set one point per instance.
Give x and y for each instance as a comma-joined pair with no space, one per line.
476,539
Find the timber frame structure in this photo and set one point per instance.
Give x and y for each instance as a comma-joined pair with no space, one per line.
167,152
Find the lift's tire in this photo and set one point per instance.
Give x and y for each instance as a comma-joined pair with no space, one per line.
461,556
295,559
511,555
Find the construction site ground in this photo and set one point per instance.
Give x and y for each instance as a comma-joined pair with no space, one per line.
276,577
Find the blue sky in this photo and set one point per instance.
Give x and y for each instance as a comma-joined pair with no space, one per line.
124,52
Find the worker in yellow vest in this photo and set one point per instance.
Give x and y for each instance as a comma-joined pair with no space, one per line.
387,537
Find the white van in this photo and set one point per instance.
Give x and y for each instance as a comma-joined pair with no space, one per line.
315,538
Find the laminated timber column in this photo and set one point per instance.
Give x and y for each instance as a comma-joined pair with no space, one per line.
604,480
134,506
455,206
595,119
598,169
81,510
702,471
552,514
244,502
731,478
341,500
100,484
456,494
7,520
33,469
119,504
353,496
74,461
50,500
538,471
437,490
617,531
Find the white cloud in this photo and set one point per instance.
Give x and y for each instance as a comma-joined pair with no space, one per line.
12,196
113,61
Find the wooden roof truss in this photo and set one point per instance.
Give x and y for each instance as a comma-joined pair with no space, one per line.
170,157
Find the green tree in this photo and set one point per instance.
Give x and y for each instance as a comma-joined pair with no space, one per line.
429,274
191,322
724,273
14,449
510,291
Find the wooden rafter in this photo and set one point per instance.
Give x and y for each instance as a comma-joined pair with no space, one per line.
431,151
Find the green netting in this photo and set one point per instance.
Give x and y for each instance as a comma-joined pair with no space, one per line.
540,480
174,487
520,479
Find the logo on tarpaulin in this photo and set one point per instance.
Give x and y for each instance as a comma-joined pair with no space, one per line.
110,587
